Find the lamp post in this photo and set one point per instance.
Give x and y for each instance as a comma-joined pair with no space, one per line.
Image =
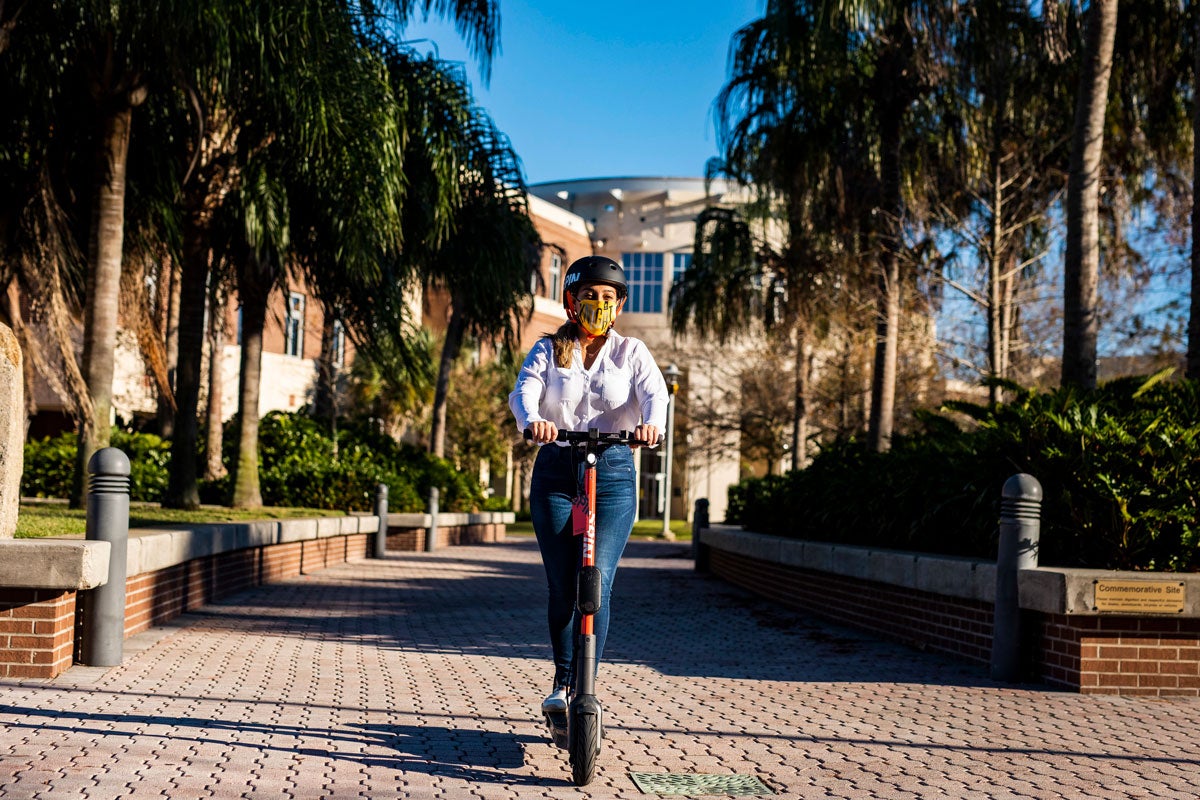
671,374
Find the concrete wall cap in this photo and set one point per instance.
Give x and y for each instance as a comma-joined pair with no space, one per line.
1052,590
408,520
53,563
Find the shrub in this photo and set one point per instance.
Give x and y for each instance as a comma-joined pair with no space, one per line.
1119,467
496,503
50,465
297,467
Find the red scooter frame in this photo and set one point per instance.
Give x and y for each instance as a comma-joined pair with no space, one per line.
580,730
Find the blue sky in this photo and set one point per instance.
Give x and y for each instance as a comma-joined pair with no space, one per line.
604,89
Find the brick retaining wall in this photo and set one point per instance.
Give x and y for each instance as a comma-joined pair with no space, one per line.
175,570
945,605
1119,655
947,624
36,632
412,539
156,597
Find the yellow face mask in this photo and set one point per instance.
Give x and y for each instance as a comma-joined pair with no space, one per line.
597,316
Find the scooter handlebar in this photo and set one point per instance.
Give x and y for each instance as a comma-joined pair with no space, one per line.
591,436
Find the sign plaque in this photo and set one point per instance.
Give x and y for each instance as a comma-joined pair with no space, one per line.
1145,597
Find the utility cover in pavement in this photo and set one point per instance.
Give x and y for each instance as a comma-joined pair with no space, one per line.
688,784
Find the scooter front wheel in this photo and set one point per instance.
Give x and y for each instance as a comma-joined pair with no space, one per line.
584,733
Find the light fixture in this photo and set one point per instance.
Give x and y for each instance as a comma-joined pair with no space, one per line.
671,376
563,195
617,193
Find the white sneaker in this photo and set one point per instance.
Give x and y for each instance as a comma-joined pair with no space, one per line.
556,703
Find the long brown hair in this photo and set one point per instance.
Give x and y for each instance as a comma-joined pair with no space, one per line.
563,341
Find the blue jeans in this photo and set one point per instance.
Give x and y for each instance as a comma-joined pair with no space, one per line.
557,479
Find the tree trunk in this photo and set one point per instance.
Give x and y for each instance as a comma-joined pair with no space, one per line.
1193,346
170,300
246,493
450,349
16,321
994,305
887,325
182,489
1082,269
214,467
105,247
800,411
323,392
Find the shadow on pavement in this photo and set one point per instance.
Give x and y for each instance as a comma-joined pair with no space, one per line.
665,616
469,755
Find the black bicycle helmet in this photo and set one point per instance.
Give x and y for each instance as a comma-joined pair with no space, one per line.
594,269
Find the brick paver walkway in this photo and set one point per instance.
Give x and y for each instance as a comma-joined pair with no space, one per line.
418,677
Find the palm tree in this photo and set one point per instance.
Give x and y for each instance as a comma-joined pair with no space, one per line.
91,80
394,387
344,132
39,252
495,235
1082,269
214,176
907,53
1193,345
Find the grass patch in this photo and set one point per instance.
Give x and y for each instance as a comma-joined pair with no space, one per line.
38,519
642,529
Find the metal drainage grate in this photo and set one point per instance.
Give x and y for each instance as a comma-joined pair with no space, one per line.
688,784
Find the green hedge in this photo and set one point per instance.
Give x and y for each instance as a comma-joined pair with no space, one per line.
297,468
50,465
1119,466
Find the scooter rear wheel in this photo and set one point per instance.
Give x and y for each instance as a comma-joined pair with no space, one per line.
584,733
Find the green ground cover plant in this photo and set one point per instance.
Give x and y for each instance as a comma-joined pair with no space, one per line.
1119,467
642,529
39,518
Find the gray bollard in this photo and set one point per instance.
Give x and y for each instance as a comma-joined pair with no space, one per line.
103,634
381,511
431,534
699,523
1020,530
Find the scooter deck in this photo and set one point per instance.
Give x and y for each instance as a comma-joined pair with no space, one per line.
556,722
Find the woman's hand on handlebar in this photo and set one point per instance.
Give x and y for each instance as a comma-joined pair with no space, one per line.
647,434
543,432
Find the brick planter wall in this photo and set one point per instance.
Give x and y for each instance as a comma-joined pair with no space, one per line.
38,627
36,632
412,539
175,570
153,598
1120,655
947,624
945,604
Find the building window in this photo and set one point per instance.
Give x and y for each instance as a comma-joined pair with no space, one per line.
644,274
681,263
338,345
555,286
293,344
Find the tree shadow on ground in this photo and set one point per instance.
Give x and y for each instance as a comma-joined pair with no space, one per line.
475,756
665,616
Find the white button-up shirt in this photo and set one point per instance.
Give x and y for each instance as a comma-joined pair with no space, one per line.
623,389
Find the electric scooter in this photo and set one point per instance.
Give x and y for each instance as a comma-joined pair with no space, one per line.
580,729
